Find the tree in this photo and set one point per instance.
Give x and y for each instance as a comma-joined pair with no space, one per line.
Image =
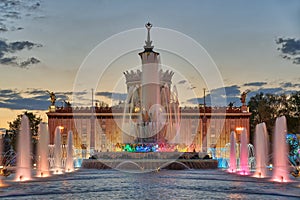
294,117
267,107
262,110
14,128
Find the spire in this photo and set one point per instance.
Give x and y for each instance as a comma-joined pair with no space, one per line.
148,46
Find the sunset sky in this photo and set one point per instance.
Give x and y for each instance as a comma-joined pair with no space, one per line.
254,44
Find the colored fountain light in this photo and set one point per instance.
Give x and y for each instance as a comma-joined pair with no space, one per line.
280,152
70,161
232,158
57,151
23,170
43,151
244,168
261,150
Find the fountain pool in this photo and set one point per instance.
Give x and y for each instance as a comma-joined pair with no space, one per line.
165,184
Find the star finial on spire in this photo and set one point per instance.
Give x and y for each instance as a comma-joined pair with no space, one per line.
148,42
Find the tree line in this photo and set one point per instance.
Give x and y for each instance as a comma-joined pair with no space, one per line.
267,107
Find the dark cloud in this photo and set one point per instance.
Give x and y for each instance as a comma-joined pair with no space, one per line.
11,11
195,101
18,46
277,90
219,96
29,61
3,28
229,91
255,84
13,47
9,94
24,103
113,95
289,48
31,99
13,99
233,94
289,84
9,61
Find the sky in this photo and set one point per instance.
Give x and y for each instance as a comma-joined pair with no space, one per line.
254,45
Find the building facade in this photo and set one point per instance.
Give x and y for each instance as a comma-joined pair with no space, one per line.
151,114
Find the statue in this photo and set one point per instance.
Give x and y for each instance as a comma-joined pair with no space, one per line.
243,97
67,103
52,97
231,104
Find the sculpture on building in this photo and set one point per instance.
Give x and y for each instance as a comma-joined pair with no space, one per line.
52,97
243,97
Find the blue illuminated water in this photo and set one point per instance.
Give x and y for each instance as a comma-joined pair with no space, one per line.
165,184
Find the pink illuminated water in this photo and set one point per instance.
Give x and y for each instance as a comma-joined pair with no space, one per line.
232,158
57,151
70,162
43,163
244,168
261,150
23,170
280,152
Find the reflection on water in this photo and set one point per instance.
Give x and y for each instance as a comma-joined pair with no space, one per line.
183,184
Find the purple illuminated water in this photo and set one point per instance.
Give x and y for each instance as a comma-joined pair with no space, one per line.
23,170
280,152
43,151
261,150
70,162
232,158
244,168
165,184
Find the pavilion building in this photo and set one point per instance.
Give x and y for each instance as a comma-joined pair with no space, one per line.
139,118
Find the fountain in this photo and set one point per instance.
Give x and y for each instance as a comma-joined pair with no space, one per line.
23,170
57,151
70,162
280,152
43,164
232,158
261,153
244,168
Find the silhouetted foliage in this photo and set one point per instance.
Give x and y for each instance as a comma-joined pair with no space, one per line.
14,128
267,107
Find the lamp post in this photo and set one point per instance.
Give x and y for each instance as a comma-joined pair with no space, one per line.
204,129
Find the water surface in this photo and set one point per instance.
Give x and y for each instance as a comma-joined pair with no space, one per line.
165,184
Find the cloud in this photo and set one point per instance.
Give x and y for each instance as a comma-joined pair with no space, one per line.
9,94
289,48
14,99
24,103
255,84
277,90
30,99
11,11
217,97
113,95
3,28
13,47
29,61
289,85
18,46
229,90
